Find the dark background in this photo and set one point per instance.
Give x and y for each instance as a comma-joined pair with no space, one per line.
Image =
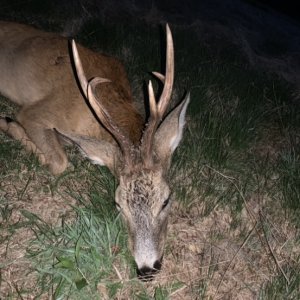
266,32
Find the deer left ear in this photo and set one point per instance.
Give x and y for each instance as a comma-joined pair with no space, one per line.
99,152
169,133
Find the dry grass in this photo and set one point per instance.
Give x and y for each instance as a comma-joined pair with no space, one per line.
26,191
214,260
206,257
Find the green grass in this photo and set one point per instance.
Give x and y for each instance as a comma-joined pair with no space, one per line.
236,113
75,258
278,288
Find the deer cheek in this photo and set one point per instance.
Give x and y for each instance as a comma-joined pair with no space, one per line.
131,234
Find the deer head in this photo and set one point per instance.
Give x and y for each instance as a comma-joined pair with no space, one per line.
143,194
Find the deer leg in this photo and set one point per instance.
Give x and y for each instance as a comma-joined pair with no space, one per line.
47,141
39,140
17,132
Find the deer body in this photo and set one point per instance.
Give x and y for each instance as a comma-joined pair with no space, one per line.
37,74
58,102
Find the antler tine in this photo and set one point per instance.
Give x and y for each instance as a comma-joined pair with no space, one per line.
79,69
157,110
88,89
152,101
160,76
169,77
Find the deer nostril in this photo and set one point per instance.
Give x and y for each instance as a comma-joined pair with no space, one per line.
157,265
146,273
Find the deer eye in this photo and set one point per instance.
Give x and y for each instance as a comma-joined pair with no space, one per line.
118,206
166,202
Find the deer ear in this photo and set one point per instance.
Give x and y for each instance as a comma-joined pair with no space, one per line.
169,133
99,152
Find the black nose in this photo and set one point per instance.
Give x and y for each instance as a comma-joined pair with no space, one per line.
146,273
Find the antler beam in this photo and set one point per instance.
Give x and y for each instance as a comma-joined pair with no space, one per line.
88,89
158,109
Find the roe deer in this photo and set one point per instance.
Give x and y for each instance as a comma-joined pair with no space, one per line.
39,74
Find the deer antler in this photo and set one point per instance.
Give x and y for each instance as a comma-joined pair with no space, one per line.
88,89
157,110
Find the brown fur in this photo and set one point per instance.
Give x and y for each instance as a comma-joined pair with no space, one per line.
37,74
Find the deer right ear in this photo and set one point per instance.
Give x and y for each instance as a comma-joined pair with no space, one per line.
99,152
169,133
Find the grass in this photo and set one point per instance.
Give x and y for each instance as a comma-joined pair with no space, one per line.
78,255
235,177
277,288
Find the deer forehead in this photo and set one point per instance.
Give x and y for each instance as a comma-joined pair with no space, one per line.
144,189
